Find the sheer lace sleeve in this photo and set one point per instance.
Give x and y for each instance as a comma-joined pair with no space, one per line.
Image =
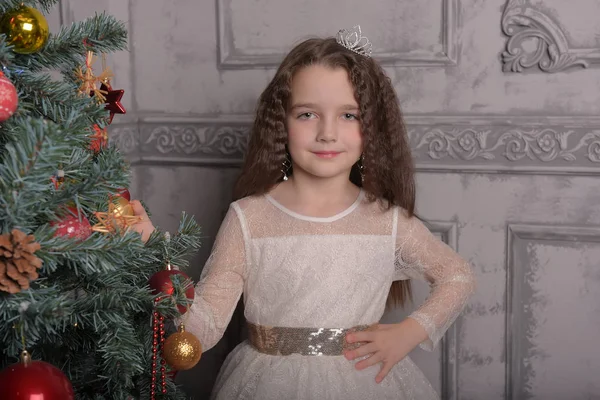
421,255
221,283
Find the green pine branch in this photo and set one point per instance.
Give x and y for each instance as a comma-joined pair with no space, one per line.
101,33
185,242
59,101
6,53
43,5
89,185
26,166
98,254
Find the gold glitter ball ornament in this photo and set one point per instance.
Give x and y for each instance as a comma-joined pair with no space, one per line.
26,29
182,350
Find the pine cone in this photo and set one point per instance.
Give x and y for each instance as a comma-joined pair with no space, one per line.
18,264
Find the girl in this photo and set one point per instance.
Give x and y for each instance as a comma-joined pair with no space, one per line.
323,232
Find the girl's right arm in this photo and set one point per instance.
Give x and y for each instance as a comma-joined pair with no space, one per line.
221,282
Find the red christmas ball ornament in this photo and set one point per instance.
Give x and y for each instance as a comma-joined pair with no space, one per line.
34,380
161,282
172,374
124,193
8,98
72,226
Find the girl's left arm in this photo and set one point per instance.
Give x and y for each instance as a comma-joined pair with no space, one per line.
421,255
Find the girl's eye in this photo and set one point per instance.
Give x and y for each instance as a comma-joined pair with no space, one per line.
350,116
306,115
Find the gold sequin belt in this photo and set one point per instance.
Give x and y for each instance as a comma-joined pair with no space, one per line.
279,341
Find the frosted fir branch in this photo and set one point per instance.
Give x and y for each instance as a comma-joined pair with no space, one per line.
32,303
188,233
121,334
183,244
42,5
186,242
100,295
28,163
111,328
56,199
26,166
41,95
89,184
115,169
98,254
101,33
6,53
42,313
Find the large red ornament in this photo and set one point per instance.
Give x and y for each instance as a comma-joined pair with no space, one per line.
161,282
72,227
8,98
34,380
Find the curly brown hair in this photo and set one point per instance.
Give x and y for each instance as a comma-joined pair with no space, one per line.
387,162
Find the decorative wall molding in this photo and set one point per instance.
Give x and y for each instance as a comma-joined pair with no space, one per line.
231,57
519,149
515,281
522,22
478,144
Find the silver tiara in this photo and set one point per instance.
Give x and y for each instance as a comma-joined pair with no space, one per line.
353,40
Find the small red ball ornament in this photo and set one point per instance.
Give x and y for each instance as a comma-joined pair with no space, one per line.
72,226
124,193
8,98
161,282
34,380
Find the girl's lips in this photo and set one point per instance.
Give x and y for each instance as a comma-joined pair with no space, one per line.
326,154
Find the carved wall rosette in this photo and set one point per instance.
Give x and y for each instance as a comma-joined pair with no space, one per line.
524,23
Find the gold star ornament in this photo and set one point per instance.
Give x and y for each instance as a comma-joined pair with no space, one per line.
119,218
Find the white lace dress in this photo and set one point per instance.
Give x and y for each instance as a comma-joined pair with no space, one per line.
303,272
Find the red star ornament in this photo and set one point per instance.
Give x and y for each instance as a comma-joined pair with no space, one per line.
113,100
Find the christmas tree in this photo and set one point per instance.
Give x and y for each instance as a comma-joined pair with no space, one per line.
83,301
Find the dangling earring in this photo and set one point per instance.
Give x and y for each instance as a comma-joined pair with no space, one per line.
361,168
285,166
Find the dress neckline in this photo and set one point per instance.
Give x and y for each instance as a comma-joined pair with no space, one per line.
335,217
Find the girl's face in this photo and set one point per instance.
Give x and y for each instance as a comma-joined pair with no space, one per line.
324,138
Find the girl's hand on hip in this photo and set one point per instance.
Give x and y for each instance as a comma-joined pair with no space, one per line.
387,344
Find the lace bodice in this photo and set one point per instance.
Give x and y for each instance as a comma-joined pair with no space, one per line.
298,271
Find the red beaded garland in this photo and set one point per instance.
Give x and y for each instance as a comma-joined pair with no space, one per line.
158,339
